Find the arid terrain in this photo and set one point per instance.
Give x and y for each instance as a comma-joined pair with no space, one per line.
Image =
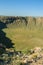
18,35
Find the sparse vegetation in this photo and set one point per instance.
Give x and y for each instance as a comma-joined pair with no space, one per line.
25,38
24,33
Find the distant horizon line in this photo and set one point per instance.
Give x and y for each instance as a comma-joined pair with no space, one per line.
21,16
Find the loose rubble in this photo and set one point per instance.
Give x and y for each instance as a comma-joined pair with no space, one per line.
18,58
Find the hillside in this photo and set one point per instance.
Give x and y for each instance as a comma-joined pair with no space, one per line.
18,21
24,32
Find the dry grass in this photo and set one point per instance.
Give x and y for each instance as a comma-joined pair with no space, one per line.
25,38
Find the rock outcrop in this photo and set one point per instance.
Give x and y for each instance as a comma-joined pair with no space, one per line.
15,21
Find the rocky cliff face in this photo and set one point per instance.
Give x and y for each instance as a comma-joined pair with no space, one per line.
22,21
